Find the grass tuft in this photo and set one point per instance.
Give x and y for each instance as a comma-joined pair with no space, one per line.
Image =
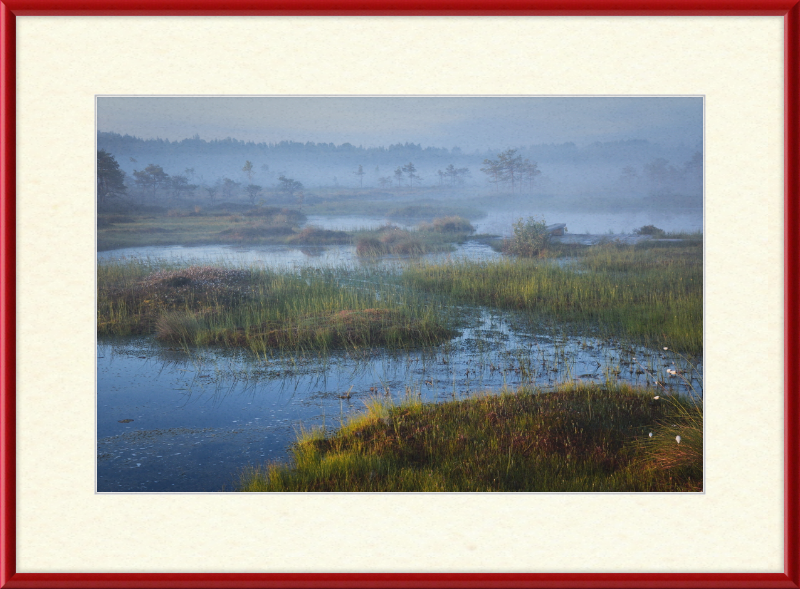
578,438
262,310
650,295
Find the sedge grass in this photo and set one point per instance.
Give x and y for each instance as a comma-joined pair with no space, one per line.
262,310
579,438
652,296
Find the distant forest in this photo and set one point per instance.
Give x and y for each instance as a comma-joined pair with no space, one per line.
633,167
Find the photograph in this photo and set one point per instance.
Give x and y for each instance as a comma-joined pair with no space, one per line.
399,294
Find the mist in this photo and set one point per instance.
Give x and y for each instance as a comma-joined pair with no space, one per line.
606,153
266,263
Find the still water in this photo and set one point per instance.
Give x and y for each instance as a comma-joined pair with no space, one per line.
501,222
169,420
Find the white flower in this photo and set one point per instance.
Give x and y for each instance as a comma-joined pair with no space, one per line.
666,348
657,397
678,439
651,434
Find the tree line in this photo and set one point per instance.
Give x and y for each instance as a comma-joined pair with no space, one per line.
112,183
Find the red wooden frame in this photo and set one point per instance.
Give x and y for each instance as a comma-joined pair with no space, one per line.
9,9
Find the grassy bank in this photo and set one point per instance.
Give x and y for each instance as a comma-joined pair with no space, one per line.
652,294
198,226
578,438
440,235
260,309
268,225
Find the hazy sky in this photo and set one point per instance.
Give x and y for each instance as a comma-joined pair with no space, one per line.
470,123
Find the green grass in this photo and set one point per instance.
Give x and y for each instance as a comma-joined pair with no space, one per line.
579,438
265,225
197,227
262,310
650,295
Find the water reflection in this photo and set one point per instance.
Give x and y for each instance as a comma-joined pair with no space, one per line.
281,257
200,415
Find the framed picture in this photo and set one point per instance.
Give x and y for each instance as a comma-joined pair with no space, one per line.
173,315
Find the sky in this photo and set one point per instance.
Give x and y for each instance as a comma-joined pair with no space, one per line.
467,122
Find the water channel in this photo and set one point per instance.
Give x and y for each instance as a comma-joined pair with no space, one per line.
172,420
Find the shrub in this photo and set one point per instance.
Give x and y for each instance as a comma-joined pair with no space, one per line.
393,236
369,246
530,238
649,230
408,247
451,224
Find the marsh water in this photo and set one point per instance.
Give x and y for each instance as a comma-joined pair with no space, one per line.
190,420
501,221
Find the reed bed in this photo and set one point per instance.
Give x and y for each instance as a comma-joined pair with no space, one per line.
650,295
579,438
